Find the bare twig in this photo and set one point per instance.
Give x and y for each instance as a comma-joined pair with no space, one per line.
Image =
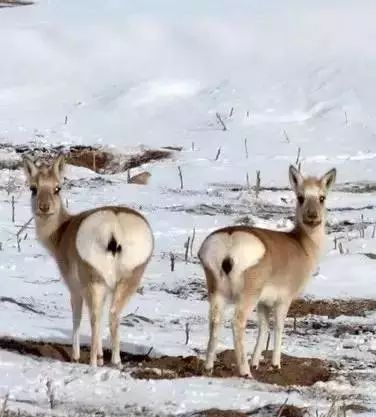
13,208
231,112
286,136
268,342
258,183
248,182
187,331
220,121
24,226
374,232
186,246
172,261
280,411
51,394
66,120
181,178
298,156
218,153
340,247
192,240
246,147
18,234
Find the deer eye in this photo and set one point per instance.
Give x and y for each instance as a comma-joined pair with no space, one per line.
301,199
322,198
33,189
57,189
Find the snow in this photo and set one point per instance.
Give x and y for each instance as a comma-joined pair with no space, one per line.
298,75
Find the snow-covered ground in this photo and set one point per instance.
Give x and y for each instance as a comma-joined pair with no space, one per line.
300,78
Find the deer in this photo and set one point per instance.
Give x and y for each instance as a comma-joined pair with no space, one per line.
259,268
99,253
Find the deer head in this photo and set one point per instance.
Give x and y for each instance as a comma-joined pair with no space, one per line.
45,184
311,195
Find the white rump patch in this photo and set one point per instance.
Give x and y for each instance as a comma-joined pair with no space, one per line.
129,230
245,250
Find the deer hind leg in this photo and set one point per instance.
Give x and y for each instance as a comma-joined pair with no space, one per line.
95,295
76,304
280,313
123,291
217,304
242,310
263,313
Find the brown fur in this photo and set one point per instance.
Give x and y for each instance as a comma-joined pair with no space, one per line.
275,279
58,230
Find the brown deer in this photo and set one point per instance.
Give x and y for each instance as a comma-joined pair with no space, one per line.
98,252
258,267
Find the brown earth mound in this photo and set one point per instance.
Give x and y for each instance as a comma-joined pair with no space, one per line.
295,371
95,158
281,410
331,308
13,3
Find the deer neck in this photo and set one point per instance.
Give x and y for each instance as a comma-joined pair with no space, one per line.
46,228
312,239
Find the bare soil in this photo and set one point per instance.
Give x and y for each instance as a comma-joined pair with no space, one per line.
13,3
295,371
282,410
95,158
332,308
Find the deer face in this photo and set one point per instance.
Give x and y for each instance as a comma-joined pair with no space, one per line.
311,195
45,182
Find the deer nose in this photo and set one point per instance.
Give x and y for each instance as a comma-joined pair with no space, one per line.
312,214
44,206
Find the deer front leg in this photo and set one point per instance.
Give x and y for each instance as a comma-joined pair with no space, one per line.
280,313
76,304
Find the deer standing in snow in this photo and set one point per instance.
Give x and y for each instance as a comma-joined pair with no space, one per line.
258,267
100,251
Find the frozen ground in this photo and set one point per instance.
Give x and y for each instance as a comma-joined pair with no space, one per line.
298,75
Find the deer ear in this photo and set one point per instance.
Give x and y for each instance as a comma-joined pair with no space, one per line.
58,166
329,179
29,167
296,178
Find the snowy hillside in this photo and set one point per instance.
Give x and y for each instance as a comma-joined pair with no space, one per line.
240,86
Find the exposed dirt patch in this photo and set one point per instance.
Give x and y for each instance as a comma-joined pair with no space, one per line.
97,159
295,371
270,410
59,351
279,410
332,308
282,410
13,3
